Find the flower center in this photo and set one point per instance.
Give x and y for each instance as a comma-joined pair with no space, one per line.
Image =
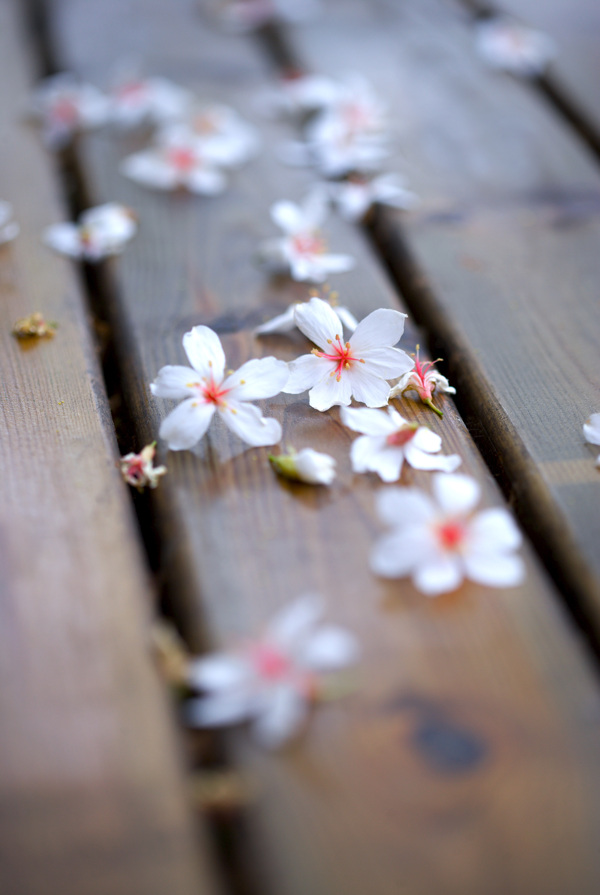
309,244
451,534
341,355
402,435
210,391
269,662
423,374
182,158
65,111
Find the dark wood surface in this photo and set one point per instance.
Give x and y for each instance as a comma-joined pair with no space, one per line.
467,760
91,784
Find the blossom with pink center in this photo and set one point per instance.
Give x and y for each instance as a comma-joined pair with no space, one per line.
138,470
9,229
99,233
136,100
388,440
205,389
273,680
355,197
303,249
423,380
176,161
591,431
65,106
505,44
439,540
338,371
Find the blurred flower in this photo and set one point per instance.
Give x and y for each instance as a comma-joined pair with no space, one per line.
591,431
100,232
136,100
424,380
9,229
65,106
271,681
139,471
505,44
176,161
440,540
388,439
306,465
33,326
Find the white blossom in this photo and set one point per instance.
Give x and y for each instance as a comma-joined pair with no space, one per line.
219,132
9,229
176,161
271,681
65,106
303,250
337,371
307,465
439,540
205,389
388,440
505,44
354,197
139,470
591,431
101,231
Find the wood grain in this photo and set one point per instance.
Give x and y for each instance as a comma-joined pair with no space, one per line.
467,760
91,789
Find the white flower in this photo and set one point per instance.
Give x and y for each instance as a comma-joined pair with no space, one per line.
9,229
307,465
505,44
354,197
176,161
100,232
388,439
297,94
205,389
139,471
65,106
245,15
303,250
424,380
341,370
271,681
591,431
286,321
137,100
222,133
441,540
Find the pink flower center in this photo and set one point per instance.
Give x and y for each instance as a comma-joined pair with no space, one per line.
356,117
309,244
182,159
451,534
270,662
135,469
341,355
210,391
402,436
422,378
132,91
65,111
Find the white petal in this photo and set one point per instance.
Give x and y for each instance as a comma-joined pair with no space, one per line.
334,264
149,169
439,575
347,318
288,216
495,569
205,352
380,328
220,671
314,208
282,717
205,181
418,459
314,467
282,323
387,363
9,231
494,530
219,710
173,382
456,494
366,387
397,554
426,440
591,429
329,392
318,321
305,372
185,426
330,648
248,423
64,238
291,624
367,421
372,454
261,377
402,506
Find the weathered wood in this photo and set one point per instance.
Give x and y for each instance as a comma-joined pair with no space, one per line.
468,759
91,790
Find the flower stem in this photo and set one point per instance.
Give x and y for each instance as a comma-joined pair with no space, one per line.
437,410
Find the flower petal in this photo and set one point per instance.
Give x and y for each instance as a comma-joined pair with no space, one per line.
367,387
149,169
439,576
220,671
387,363
426,440
282,323
495,569
173,382
494,530
347,318
418,459
329,392
258,378
318,321
330,648
288,216
218,710
185,426
591,429
283,715
305,372
370,453
331,263
65,239
456,494
403,506
397,554
367,421
205,352
382,327
293,622
205,181
247,422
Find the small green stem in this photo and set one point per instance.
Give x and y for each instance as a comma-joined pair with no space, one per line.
437,410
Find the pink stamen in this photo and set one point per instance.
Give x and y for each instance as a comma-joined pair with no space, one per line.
182,158
309,244
451,535
402,436
270,662
341,355
212,392
131,90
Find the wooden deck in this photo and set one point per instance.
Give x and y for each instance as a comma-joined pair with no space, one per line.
467,760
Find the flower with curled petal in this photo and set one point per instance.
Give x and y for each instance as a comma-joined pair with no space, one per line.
205,389
439,540
505,44
388,440
65,106
337,371
423,380
9,229
99,233
139,471
591,431
273,680
307,465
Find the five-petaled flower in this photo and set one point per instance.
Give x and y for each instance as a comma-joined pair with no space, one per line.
504,43
176,161
591,431
138,470
273,680
303,250
440,540
99,233
64,106
388,439
9,229
337,371
206,389
307,465
423,380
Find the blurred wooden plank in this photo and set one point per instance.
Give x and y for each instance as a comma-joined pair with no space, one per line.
91,795
468,759
506,248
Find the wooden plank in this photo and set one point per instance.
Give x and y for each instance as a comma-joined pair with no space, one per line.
473,737
91,789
